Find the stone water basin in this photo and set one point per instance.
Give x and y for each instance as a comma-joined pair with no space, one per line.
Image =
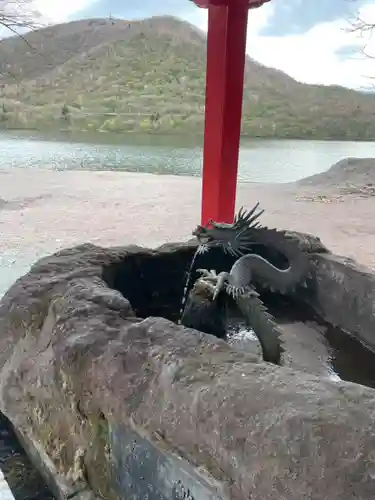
112,401
310,344
339,289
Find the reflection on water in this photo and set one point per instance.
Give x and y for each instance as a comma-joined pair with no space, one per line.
260,160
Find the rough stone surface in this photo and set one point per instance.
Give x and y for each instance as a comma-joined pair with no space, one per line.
353,171
343,293
308,243
78,368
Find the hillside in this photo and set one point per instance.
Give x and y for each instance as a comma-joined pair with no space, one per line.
114,75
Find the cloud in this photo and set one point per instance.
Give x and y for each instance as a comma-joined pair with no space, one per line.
316,56
135,10
312,48
326,54
62,10
296,17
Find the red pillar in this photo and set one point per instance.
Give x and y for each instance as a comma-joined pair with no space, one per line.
226,52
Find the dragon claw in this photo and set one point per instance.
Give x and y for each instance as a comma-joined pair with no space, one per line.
203,272
236,292
209,276
231,291
221,284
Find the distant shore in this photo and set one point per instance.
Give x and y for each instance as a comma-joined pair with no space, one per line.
196,136
43,210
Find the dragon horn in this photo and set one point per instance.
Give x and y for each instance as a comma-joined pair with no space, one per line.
254,208
241,215
250,220
249,213
248,216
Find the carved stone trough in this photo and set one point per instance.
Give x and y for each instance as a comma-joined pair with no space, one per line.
113,400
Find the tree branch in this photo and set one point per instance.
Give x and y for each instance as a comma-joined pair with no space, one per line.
365,31
19,14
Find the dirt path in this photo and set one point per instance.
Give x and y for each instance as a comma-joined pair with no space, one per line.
41,211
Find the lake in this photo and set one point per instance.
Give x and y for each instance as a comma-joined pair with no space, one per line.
260,160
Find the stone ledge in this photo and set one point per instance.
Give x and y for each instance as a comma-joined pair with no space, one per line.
60,488
342,292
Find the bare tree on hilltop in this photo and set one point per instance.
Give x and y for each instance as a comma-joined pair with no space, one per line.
18,16
365,30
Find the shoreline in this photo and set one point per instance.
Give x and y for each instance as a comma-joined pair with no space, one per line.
188,134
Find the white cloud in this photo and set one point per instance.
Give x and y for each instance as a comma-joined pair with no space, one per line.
198,17
310,57
59,10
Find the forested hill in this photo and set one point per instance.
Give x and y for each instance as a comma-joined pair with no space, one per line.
115,75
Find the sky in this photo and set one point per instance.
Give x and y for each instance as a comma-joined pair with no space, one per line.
308,39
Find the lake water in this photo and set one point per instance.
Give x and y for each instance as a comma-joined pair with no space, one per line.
260,160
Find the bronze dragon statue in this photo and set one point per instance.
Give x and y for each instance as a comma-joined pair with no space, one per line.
238,239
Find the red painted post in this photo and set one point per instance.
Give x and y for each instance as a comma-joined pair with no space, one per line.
226,52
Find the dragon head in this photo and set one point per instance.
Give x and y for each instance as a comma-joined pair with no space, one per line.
233,238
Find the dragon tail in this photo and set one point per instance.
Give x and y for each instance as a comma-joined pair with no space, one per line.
265,328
